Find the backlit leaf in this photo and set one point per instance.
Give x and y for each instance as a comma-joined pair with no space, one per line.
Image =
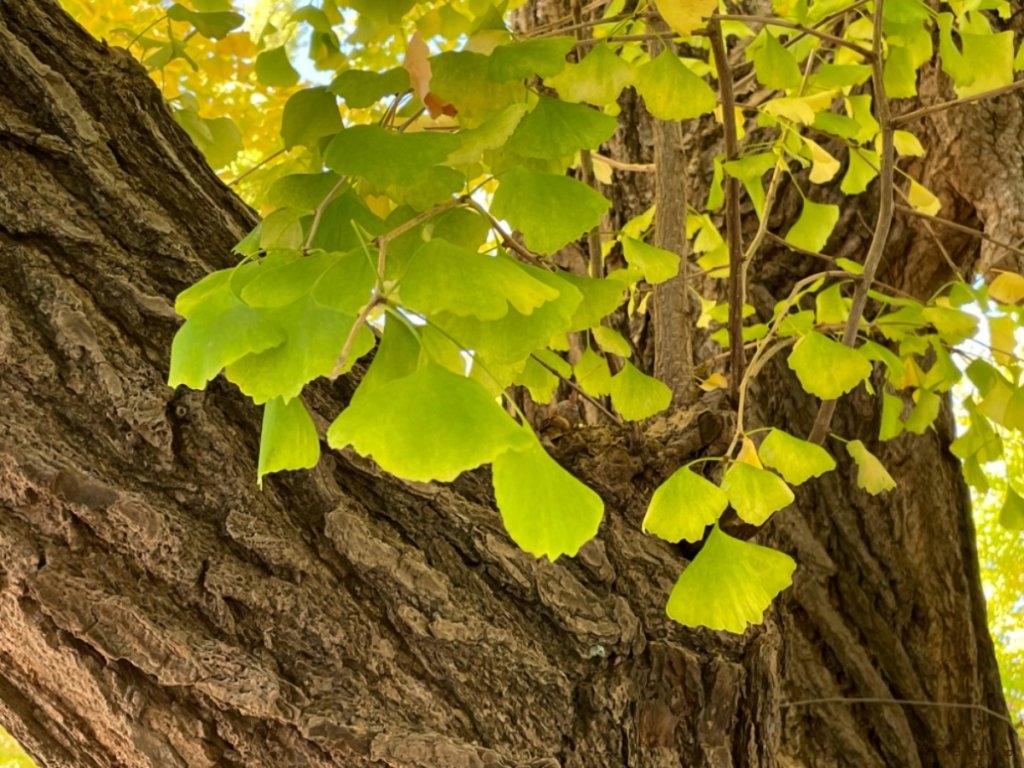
636,395
466,426
755,493
795,459
288,440
309,115
598,79
549,209
546,510
871,475
657,264
685,16
683,506
671,90
729,584
826,368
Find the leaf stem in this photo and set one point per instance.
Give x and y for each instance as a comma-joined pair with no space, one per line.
733,216
883,224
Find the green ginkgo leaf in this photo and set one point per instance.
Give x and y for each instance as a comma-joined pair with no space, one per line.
592,374
683,506
657,264
549,209
524,58
314,335
795,459
288,440
776,66
546,510
671,90
814,226
430,425
220,330
598,79
729,584
309,115
557,129
444,277
755,494
636,395
826,368
872,476
274,69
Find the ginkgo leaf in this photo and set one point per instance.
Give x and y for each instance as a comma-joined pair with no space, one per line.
871,475
364,88
524,58
1006,288
953,325
314,335
776,66
611,341
466,426
549,209
824,167
685,16
597,80
755,493
922,199
444,277
814,226
288,440
656,264
795,459
907,144
546,510
417,64
729,584
636,395
592,374
671,90
541,382
274,69
309,115
220,329
683,506
861,171
214,25
557,129
1011,514
826,368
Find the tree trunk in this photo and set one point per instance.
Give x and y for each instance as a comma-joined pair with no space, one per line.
157,610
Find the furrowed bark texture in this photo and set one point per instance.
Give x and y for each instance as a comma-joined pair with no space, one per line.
156,610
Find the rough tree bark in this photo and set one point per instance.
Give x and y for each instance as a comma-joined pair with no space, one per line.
156,610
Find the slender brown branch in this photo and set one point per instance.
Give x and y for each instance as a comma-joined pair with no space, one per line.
256,167
882,225
942,106
621,166
961,228
506,237
777,22
733,216
579,390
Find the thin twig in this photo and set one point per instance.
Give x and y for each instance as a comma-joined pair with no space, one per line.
733,215
256,167
350,339
883,224
776,22
318,214
960,228
942,106
579,390
621,166
898,702
506,237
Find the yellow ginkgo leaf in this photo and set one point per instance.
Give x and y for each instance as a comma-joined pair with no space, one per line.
684,16
1007,288
748,454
